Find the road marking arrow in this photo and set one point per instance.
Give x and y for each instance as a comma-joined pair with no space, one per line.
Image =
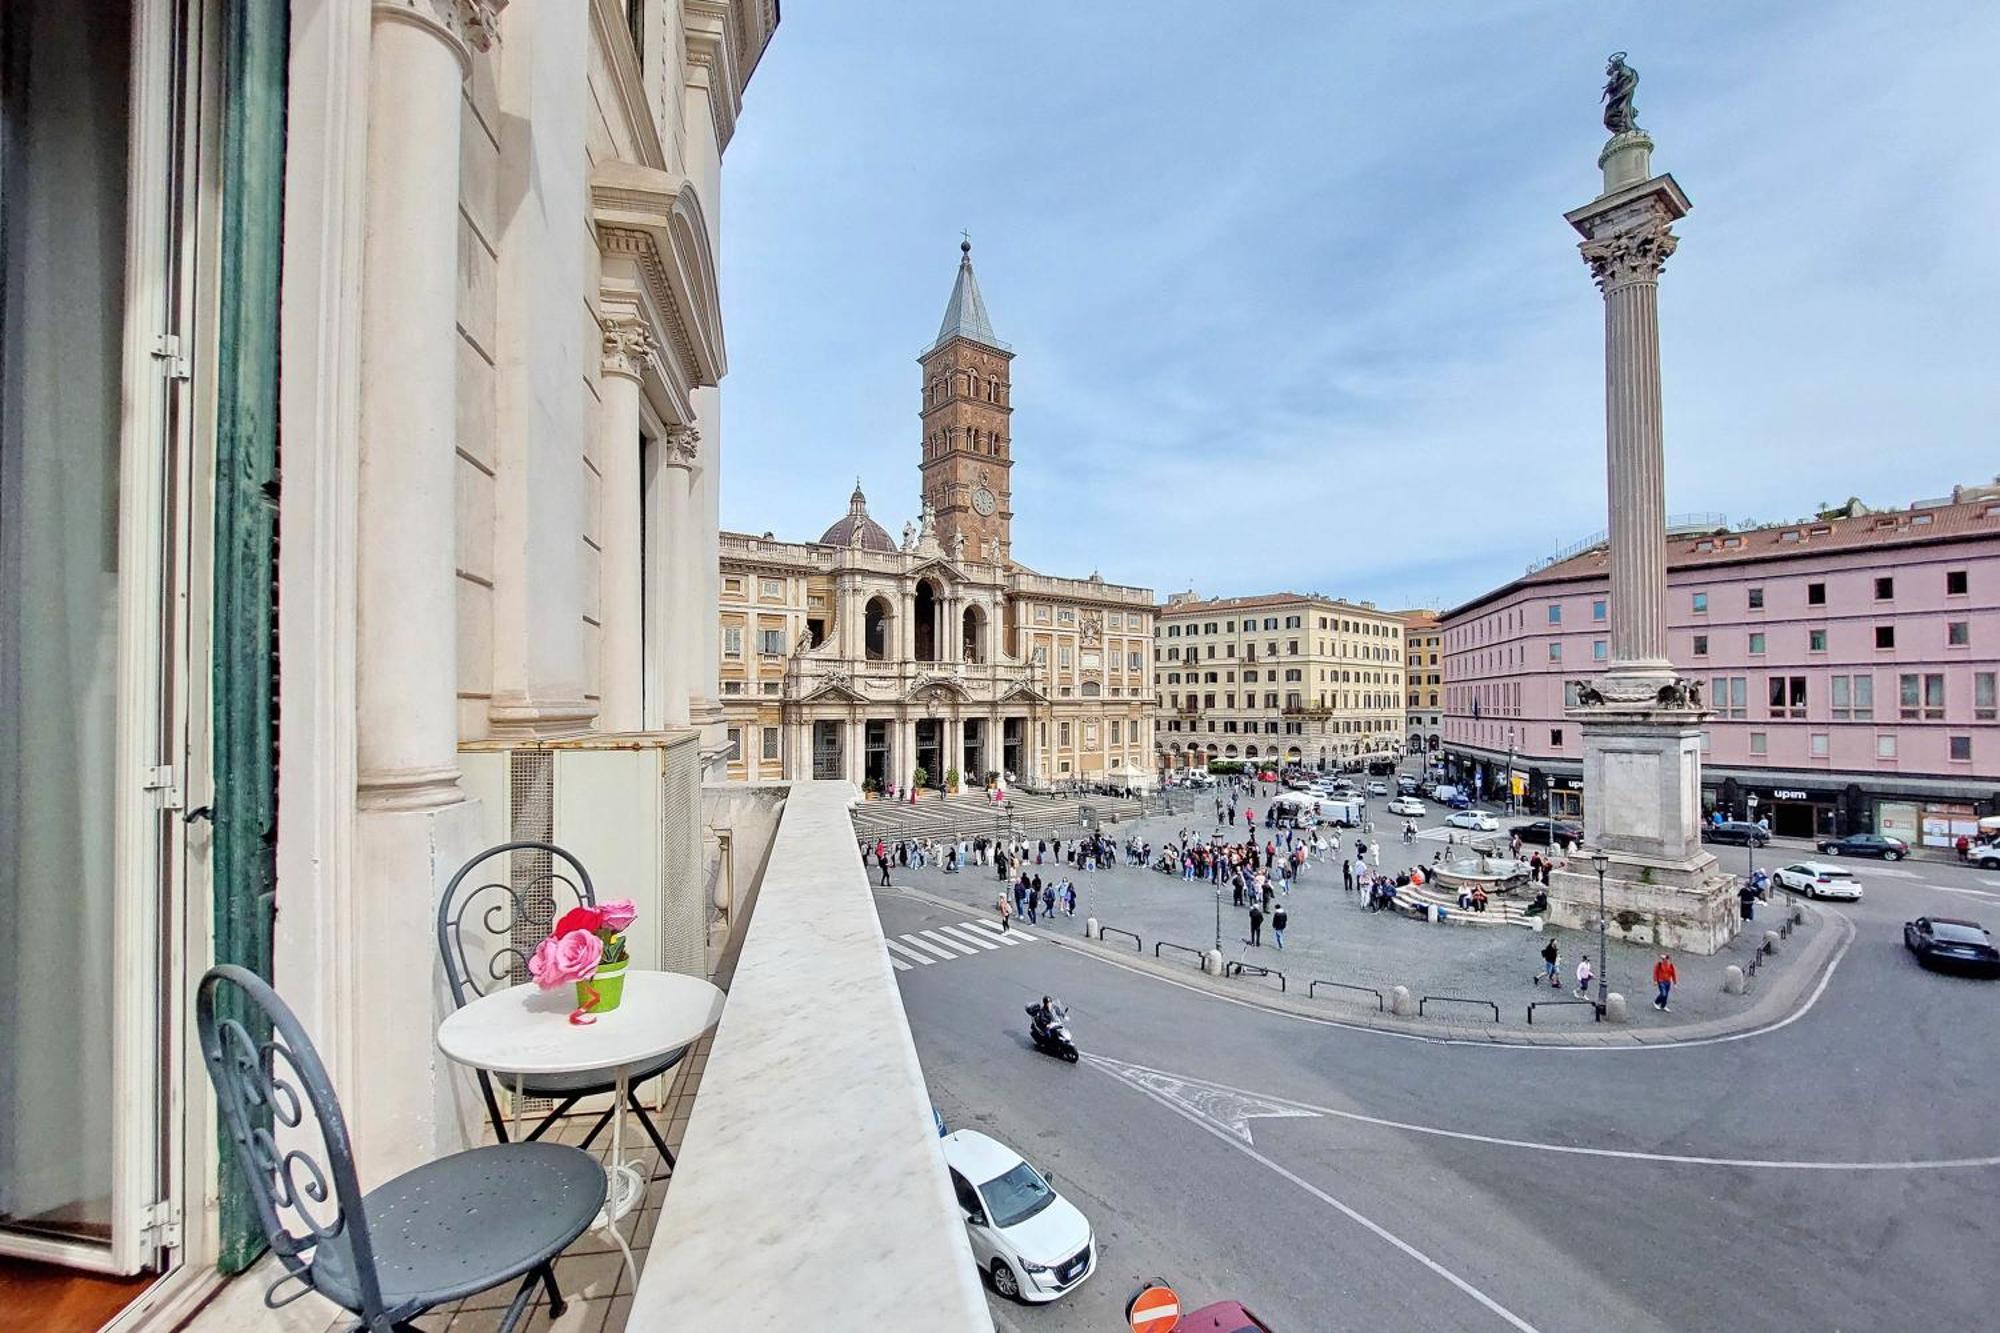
1228,1109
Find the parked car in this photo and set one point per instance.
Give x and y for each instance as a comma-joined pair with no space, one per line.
1221,1317
1378,788
1030,1242
1736,833
1819,881
1476,820
1406,785
1408,806
1549,831
1949,942
1458,800
1866,844
1986,856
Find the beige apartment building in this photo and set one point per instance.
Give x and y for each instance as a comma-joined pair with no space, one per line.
1291,676
865,658
1423,674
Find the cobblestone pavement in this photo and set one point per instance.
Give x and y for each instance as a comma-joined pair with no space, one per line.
1330,937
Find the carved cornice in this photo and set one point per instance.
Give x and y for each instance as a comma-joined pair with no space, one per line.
628,346
654,220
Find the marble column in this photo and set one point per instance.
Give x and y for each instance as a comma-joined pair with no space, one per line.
1627,240
853,749
621,673
543,356
674,582
413,822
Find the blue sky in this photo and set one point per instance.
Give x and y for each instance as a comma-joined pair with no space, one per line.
1290,292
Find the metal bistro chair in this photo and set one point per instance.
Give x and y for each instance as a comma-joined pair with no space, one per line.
476,937
449,1229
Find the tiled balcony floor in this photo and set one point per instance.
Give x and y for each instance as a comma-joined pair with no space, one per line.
591,1274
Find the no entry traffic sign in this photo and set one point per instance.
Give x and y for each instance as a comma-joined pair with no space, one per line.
1155,1310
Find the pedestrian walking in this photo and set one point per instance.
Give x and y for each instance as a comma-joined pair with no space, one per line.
882,860
1279,919
1049,901
1069,900
1256,926
1346,875
1006,910
1664,977
1550,952
1584,976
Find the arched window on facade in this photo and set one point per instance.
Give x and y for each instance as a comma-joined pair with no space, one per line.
972,631
926,621
877,623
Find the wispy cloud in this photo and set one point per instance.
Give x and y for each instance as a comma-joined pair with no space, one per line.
1291,296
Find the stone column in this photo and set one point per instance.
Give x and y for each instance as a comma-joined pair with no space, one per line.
1627,239
413,822
673,623
853,749
628,349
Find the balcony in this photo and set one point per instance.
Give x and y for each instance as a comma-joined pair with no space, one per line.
762,1114
1314,712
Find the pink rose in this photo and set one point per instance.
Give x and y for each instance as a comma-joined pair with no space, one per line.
618,914
566,958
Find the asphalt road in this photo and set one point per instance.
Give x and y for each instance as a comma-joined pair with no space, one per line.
1839,1172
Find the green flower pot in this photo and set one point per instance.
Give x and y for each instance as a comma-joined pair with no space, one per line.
603,992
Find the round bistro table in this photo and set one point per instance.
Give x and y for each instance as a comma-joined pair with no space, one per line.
524,1031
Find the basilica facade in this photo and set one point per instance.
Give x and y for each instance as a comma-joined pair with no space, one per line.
936,658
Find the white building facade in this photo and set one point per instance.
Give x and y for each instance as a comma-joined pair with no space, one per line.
939,660
429,287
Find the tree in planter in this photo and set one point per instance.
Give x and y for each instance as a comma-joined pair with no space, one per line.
951,779
921,777
870,787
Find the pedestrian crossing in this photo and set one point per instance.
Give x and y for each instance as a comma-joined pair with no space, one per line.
943,944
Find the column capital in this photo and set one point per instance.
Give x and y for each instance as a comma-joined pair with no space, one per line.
681,445
466,25
1635,253
628,346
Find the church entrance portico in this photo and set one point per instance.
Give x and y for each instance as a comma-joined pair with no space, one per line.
1011,733
829,762
875,752
975,751
930,749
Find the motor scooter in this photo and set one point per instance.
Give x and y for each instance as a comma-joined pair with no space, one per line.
1052,1038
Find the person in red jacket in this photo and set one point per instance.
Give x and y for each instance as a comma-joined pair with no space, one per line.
1664,977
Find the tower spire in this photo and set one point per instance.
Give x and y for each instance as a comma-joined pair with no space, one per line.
965,314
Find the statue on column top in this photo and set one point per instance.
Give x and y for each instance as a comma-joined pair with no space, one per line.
1621,82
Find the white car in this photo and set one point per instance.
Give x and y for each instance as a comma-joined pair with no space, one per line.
1029,1240
1476,820
1817,880
1407,805
1378,788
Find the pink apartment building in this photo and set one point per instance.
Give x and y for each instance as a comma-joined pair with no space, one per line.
1849,663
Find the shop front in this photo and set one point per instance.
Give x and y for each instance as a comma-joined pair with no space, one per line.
1791,812
1566,798
1929,823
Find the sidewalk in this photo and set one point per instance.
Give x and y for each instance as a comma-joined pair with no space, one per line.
1331,938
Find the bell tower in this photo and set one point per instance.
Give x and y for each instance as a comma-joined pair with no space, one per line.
968,452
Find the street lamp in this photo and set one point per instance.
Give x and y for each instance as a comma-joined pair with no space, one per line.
1750,839
1601,862
1510,772
1218,916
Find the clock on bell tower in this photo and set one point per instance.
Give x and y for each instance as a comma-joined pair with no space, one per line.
968,453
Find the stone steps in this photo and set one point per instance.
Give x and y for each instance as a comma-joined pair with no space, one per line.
1499,911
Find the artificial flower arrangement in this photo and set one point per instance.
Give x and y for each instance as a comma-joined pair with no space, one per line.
587,949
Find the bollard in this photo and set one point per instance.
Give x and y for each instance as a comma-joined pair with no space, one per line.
1770,941
1090,928
1732,980
1211,962
1614,1008
1401,1003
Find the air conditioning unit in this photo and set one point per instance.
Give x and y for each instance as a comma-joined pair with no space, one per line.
627,805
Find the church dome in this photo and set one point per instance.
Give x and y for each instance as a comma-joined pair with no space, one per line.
873,537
